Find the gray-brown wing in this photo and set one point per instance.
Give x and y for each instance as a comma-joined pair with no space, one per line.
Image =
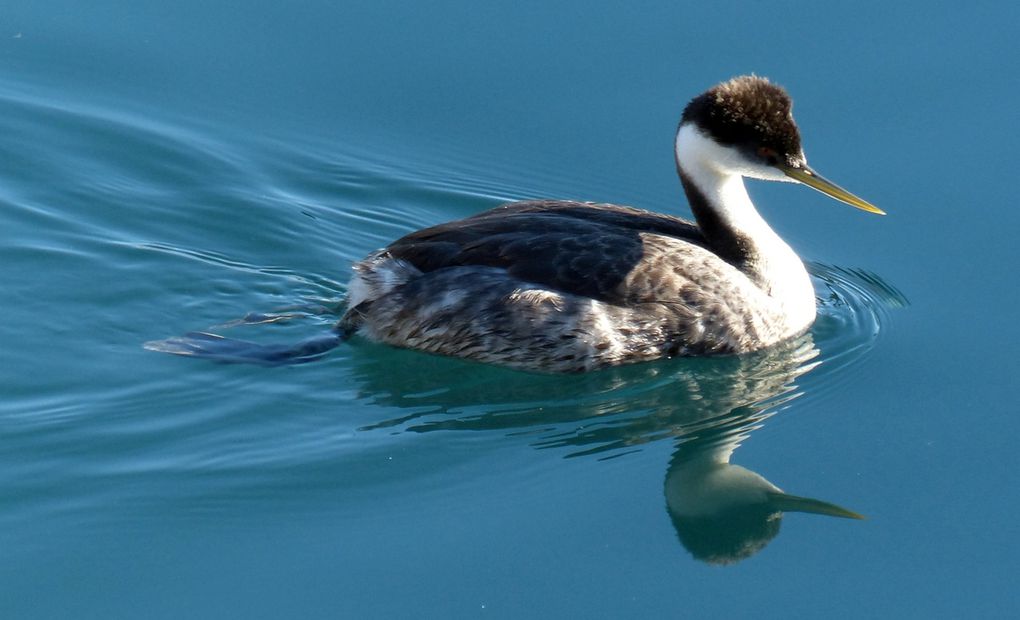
615,216
579,248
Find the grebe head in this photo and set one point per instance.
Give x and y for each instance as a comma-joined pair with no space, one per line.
745,127
724,513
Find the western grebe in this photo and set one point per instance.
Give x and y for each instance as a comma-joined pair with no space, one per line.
563,286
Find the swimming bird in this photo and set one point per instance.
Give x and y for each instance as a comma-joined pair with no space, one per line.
565,286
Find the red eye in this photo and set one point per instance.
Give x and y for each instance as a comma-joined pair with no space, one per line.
769,155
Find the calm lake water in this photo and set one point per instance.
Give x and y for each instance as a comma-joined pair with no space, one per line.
174,167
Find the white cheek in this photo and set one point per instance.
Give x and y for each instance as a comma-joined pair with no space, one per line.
756,170
694,146
768,173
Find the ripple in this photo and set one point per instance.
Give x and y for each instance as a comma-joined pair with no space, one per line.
854,308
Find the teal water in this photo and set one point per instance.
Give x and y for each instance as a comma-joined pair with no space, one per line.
172,168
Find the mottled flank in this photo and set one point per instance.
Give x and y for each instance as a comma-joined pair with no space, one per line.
559,286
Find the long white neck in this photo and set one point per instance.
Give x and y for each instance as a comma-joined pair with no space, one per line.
713,177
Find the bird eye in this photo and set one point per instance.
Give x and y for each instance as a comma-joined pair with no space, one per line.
769,155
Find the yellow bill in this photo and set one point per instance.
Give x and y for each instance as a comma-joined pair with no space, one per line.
809,177
792,503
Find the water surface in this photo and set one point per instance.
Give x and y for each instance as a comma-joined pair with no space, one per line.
166,171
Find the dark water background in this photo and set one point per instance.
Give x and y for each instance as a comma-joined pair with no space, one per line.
168,167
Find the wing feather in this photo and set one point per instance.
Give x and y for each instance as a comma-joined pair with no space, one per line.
591,250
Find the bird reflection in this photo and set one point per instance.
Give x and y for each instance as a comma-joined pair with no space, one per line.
722,512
